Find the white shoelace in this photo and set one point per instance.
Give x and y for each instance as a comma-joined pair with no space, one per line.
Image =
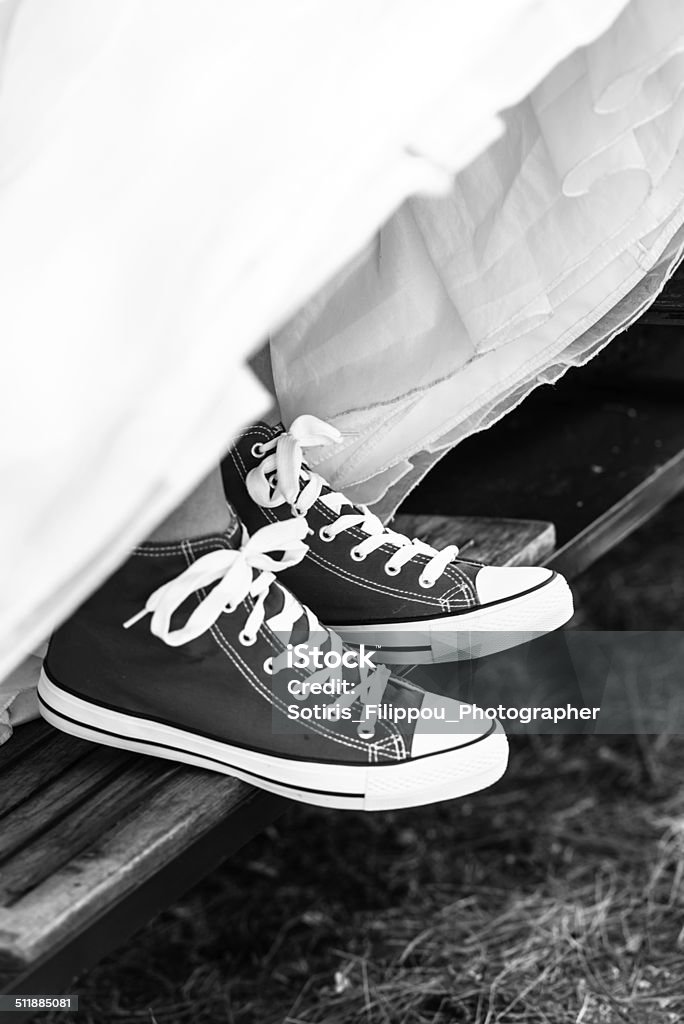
233,572
250,570
278,480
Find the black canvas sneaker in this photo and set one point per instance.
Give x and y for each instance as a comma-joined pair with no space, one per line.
373,585
193,651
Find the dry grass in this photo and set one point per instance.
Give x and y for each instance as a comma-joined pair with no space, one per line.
557,897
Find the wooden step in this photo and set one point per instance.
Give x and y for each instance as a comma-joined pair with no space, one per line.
597,454
483,539
94,841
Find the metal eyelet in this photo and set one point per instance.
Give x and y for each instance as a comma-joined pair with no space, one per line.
426,584
325,535
357,555
246,640
297,512
268,666
391,570
257,450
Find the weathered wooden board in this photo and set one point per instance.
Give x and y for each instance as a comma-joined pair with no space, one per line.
123,787
64,791
118,858
24,775
494,541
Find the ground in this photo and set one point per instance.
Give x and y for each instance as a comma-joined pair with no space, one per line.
555,897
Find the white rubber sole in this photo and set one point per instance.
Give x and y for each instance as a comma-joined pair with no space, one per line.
487,630
443,776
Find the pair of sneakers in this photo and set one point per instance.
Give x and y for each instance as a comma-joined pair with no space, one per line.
232,652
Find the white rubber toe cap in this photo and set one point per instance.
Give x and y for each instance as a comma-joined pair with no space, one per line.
500,583
458,728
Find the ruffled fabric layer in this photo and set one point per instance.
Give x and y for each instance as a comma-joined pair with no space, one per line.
177,180
549,243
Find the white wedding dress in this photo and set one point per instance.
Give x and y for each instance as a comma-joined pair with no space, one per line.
428,206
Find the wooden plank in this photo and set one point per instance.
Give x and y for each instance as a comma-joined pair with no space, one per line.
66,838
47,806
184,808
28,736
621,520
481,539
37,766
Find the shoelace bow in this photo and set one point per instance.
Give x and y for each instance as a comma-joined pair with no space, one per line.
283,476
250,570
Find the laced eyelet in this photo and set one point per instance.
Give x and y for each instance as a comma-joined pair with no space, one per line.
297,512
357,555
257,450
426,584
391,570
246,640
268,666
229,609
325,534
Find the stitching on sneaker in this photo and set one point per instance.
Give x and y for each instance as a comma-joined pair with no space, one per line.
261,688
387,726
256,683
462,583
430,602
177,548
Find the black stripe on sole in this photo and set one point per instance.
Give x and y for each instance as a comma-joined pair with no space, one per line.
204,757
252,750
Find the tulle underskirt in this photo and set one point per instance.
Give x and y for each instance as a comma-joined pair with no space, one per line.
550,242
